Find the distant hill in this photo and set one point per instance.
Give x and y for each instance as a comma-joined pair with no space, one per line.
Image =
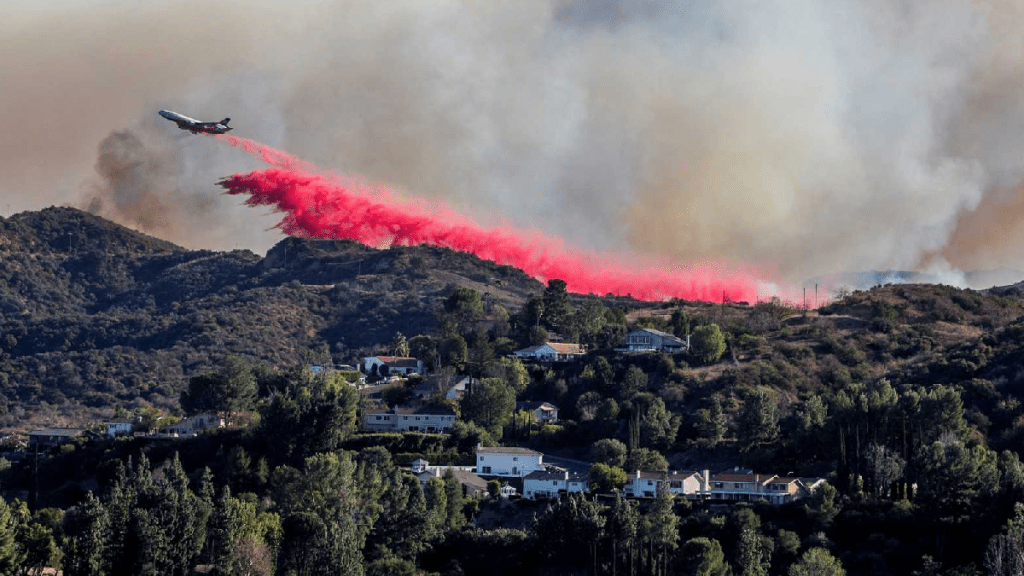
94,315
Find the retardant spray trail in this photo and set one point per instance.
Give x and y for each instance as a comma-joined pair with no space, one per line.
322,205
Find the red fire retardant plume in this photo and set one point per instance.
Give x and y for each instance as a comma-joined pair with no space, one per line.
317,205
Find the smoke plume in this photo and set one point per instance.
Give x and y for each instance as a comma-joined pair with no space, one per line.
333,206
809,137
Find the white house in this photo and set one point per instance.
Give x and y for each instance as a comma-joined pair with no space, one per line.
409,418
543,412
511,461
651,340
549,484
120,427
472,485
391,365
734,486
693,485
551,352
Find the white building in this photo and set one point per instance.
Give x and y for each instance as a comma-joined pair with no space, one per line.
511,461
651,340
551,352
392,365
693,485
543,412
406,419
550,484
472,485
120,427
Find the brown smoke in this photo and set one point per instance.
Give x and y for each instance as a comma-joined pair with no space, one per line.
806,137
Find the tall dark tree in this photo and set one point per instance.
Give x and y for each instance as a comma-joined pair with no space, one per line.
88,530
232,389
490,403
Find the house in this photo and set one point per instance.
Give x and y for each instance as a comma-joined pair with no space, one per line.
409,418
552,483
693,485
733,486
52,436
193,425
120,427
507,491
507,461
543,412
551,352
472,485
392,365
448,385
651,340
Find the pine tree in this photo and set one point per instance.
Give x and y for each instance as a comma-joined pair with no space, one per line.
10,554
455,501
85,549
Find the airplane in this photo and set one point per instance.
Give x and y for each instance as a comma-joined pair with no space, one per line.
195,126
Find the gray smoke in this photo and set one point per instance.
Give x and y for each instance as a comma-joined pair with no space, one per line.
802,137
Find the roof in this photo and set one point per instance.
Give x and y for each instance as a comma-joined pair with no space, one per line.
784,480
675,475
527,405
659,333
558,347
555,475
506,450
399,361
409,410
121,421
56,432
733,477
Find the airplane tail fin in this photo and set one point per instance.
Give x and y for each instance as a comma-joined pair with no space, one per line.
225,121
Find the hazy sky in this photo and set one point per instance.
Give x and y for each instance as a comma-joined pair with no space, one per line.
804,137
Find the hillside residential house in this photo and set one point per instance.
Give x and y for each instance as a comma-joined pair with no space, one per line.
450,386
193,425
651,340
472,485
552,483
409,418
551,352
120,427
730,486
53,436
393,365
693,485
511,461
543,412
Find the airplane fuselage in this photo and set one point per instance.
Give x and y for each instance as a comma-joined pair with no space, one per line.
195,126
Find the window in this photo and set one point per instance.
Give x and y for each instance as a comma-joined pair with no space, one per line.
555,482
481,458
487,470
515,459
736,485
378,417
718,485
417,418
405,417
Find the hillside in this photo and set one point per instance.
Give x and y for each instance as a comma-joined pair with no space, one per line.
94,315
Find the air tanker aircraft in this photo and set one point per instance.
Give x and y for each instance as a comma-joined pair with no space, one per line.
195,126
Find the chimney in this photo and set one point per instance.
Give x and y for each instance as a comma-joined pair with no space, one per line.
638,474
566,475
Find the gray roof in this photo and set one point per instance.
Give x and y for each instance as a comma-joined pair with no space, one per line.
660,333
507,450
675,475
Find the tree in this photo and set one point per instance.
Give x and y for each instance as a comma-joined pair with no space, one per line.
610,451
87,527
489,403
454,351
658,427
623,525
10,555
633,383
646,459
455,501
437,507
883,468
817,562
318,411
463,307
659,526
569,532
707,343
587,405
711,422
605,478
557,311
754,554
703,557
759,421
399,345
232,389
511,370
